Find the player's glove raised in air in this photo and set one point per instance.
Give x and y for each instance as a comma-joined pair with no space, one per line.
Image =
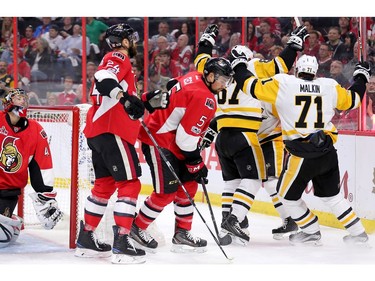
240,54
198,170
297,38
132,105
208,138
362,69
155,100
46,208
209,35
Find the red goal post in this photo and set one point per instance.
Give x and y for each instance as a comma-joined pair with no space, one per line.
71,161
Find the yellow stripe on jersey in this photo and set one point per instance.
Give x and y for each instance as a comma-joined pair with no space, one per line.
239,122
253,141
200,61
278,148
293,166
265,90
344,99
242,109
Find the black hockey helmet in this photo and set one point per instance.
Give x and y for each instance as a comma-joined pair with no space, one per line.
118,32
220,67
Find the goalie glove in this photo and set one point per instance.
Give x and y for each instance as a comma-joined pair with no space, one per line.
297,38
362,69
46,208
155,100
208,138
209,35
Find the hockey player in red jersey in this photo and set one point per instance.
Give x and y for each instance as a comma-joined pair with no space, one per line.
24,149
177,131
112,129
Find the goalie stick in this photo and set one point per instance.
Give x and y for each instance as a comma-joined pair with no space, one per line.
182,186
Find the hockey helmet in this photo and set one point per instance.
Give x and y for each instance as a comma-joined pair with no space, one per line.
221,68
8,101
307,64
118,32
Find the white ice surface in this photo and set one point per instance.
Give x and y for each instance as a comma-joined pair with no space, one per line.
38,252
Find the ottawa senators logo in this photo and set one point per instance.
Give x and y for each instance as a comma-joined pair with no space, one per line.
10,158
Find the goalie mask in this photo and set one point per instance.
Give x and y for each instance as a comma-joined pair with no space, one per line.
117,33
16,101
307,64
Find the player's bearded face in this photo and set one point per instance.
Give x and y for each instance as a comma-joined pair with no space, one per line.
132,51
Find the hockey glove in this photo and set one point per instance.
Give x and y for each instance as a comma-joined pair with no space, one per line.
133,106
46,208
209,35
240,51
362,69
197,169
208,138
297,38
155,100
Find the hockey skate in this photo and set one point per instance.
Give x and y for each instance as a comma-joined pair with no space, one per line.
88,246
232,226
304,238
289,227
360,239
143,239
183,241
124,251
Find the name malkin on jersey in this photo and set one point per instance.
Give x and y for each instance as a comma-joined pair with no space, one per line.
309,88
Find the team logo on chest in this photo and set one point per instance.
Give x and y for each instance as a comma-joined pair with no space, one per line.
10,158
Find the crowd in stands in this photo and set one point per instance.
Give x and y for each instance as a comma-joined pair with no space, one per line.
49,53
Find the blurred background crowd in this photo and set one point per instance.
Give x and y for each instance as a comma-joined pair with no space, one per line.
54,58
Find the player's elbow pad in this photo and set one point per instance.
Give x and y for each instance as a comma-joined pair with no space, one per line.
106,86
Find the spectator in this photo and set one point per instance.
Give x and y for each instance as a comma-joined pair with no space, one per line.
252,39
33,98
70,56
163,30
24,71
235,39
91,68
51,99
344,27
336,69
6,80
68,95
41,61
168,67
189,31
324,60
54,39
223,38
312,44
275,51
6,29
28,42
162,44
67,28
182,53
95,30
265,47
43,28
157,81
263,28
336,45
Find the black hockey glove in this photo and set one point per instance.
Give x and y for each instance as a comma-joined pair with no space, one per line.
362,69
208,138
297,38
133,106
155,100
209,35
197,169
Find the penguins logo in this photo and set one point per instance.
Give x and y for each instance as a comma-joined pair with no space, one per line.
11,160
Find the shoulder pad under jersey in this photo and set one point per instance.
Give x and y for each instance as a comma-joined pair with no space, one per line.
119,55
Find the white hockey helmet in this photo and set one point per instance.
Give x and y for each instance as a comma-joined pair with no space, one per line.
307,64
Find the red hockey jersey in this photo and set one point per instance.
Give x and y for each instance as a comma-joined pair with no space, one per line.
107,115
188,115
19,150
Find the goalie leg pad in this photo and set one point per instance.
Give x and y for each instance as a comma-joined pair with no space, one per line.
9,229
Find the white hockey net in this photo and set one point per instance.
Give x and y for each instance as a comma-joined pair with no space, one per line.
71,162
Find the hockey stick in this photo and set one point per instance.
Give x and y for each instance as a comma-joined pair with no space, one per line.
180,183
